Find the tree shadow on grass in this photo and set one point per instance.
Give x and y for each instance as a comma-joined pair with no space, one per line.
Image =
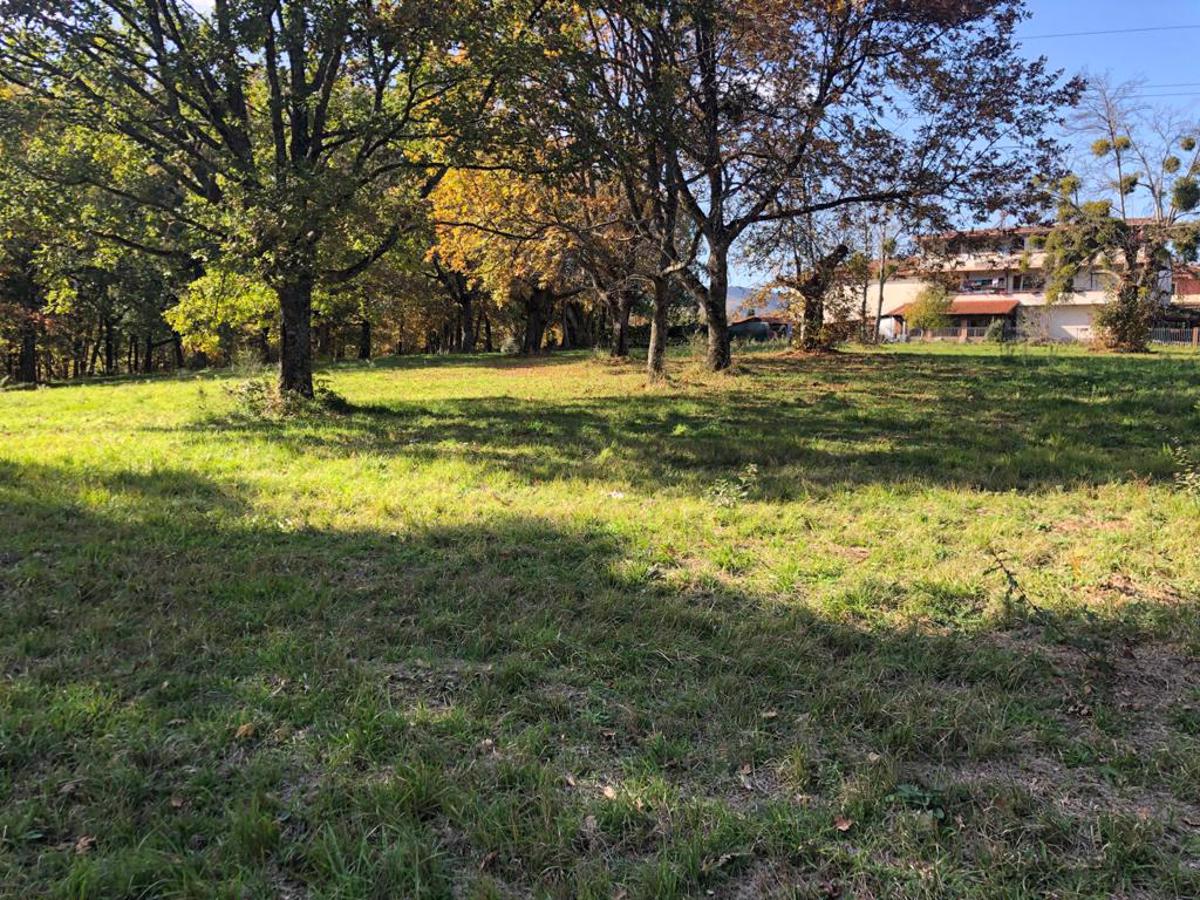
815,424
225,702
500,361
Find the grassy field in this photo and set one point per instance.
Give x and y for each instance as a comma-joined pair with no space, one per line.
908,623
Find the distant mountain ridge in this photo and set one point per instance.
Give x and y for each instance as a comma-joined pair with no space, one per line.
738,295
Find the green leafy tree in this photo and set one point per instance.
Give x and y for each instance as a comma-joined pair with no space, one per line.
930,309
613,89
69,190
272,118
22,234
215,307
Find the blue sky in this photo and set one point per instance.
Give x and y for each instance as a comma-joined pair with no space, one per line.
1165,58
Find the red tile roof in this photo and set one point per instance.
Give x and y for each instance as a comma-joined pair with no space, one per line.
971,308
1017,230
1187,280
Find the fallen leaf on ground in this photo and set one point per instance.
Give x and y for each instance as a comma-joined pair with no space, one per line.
85,843
841,823
721,861
245,731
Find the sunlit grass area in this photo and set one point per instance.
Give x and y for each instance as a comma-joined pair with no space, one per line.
916,622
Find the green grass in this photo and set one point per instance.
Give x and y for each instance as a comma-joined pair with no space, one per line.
530,628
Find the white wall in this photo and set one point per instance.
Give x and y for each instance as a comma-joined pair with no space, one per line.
1059,322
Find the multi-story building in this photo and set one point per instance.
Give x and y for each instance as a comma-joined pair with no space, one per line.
997,274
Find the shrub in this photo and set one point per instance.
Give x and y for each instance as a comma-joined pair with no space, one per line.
997,332
260,397
1187,471
930,309
1125,321
728,493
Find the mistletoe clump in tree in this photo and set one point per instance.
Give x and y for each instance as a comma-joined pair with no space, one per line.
1139,224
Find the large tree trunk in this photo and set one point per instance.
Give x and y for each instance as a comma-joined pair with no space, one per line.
813,290
574,325
656,357
812,322
295,358
177,347
714,309
110,349
467,342
538,308
620,344
488,347
148,359
364,339
27,358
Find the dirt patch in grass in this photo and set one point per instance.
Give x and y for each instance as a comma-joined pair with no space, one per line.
1118,707
773,880
1073,791
1120,589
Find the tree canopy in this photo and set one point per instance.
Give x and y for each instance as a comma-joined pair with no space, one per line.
299,176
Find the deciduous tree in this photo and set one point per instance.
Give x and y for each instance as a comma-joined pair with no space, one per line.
928,107
271,117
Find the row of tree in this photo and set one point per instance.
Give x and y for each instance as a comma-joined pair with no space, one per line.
295,178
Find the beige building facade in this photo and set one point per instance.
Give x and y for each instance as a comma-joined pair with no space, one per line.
996,274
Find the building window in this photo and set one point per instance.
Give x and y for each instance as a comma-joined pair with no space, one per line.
979,284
